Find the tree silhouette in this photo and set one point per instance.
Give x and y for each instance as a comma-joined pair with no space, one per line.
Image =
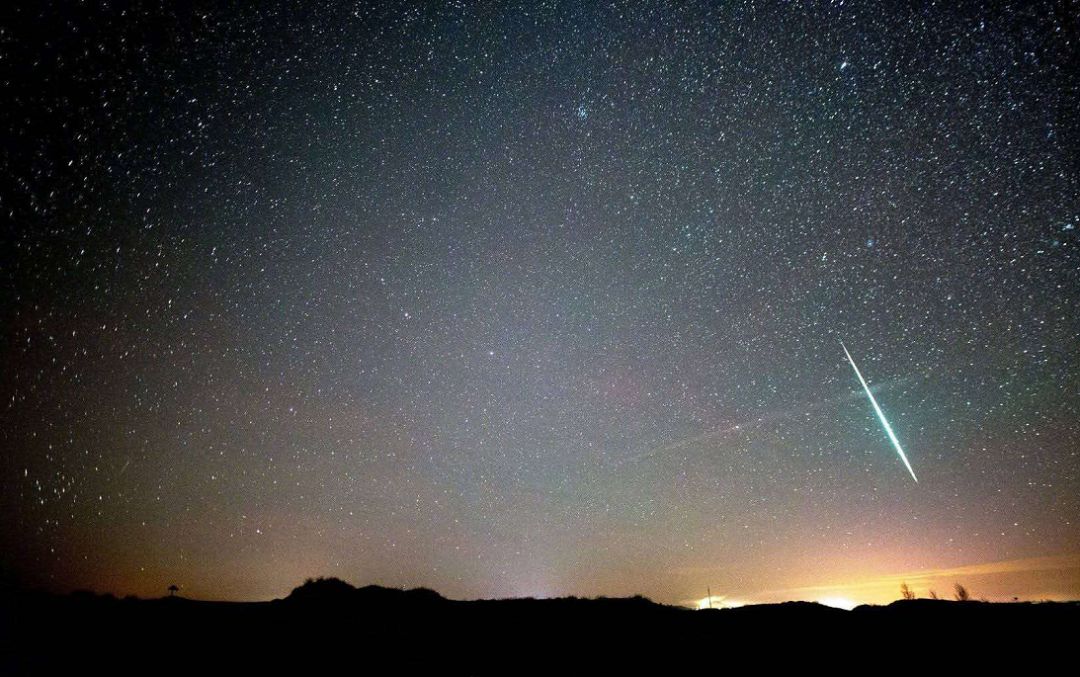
933,594
173,589
961,594
906,592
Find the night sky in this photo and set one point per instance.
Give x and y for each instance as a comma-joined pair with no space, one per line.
541,299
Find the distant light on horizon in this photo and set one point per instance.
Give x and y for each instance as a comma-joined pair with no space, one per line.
720,602
838,602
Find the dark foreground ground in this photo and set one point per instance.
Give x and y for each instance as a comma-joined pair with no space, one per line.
339,630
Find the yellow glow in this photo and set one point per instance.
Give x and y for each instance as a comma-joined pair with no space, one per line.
719,602
1034,578
838,602
871,580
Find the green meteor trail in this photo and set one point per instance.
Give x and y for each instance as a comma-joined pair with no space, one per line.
880,414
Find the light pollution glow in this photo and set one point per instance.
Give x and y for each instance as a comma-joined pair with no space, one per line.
1059,578
719,602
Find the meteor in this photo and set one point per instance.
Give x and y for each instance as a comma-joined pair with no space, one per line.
880,414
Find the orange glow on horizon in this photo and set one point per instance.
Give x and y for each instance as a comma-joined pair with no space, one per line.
719,602
1054,578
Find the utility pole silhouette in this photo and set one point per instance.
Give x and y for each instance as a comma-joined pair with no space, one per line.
709,590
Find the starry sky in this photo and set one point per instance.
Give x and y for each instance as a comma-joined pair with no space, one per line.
541,298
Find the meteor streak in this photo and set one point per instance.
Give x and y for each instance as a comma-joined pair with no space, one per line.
880,414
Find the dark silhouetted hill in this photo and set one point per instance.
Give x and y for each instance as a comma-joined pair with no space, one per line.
322,589
329,625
